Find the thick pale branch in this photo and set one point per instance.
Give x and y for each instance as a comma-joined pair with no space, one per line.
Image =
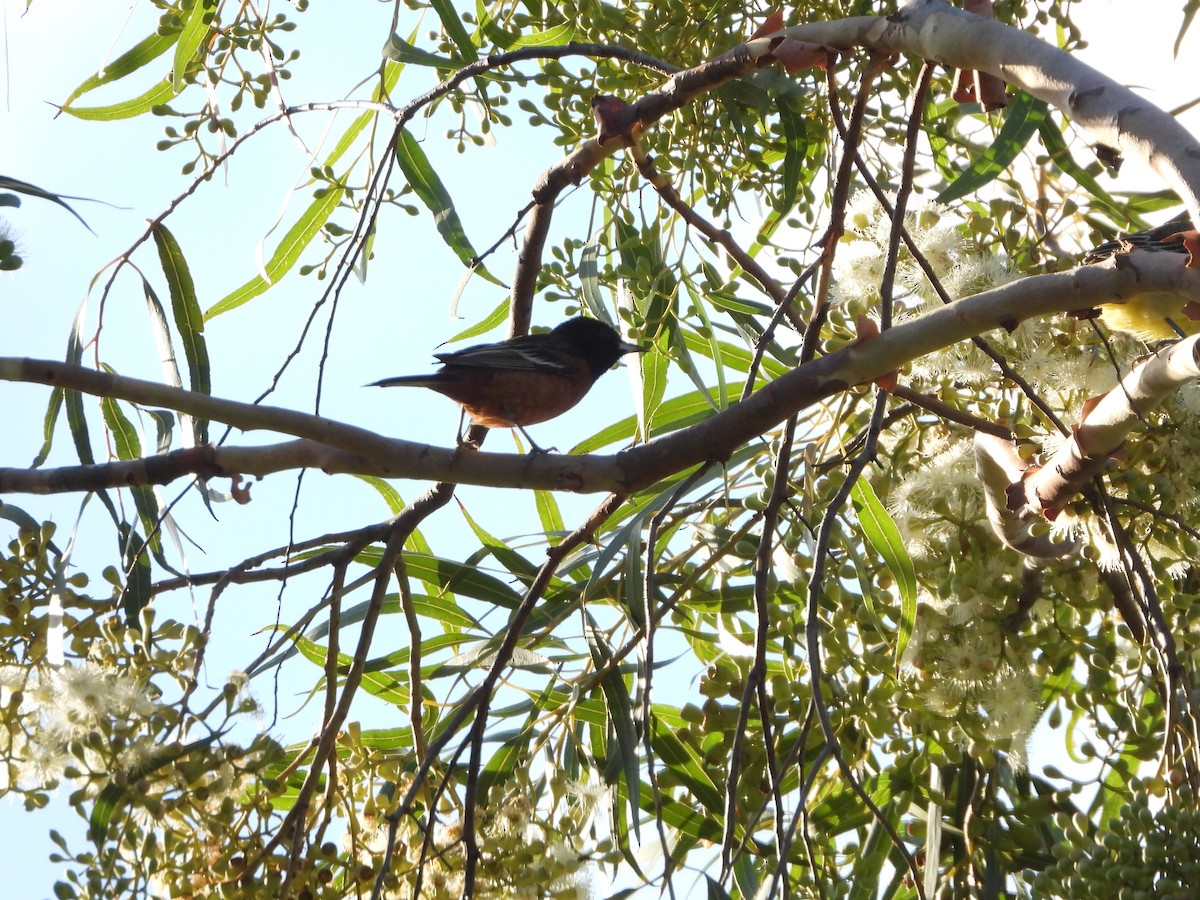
364,452
1102,430
1019,495
1110,112
999,467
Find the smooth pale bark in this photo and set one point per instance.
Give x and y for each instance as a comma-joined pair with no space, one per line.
1109,112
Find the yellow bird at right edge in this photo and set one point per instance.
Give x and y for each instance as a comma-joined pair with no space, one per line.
1154,316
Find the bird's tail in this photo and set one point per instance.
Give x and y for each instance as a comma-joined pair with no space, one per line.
410,381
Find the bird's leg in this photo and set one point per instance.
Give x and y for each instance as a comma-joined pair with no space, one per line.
533,447
1179,331
460,439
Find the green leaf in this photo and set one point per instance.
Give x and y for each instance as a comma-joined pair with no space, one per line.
589,280
455,28
124,435
683,358
793,158
693,824
654,369
503,762
487,28
76,419
164,424
493,320
873,854
880,529
448,575
195,30
145,51
188,319
129,446
136,594
401,51
736,357
549,514
686,763
156,96
299,236
1021,122
670,415
49,423
386,490
620,719
429,189
111,796
513,561
558,34
33,190
1060,154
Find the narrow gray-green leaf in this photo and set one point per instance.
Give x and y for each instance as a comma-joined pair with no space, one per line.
24,187
1021,123
429,189
453,24
557,34
156,96
124,434
298,237
493,320
884,536
401,51
189,320
793,157
589,281
549,515
145,51
1060,154
513,561
195,30
620,718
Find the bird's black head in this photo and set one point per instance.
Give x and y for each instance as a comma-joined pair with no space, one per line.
596,342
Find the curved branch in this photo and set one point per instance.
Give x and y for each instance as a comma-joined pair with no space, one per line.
336,447
1110,112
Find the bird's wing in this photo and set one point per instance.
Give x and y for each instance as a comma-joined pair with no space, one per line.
531,353
1152,239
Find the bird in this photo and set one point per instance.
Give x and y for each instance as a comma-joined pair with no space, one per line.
527,379
1153,316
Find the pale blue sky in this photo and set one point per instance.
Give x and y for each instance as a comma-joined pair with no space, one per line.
388,327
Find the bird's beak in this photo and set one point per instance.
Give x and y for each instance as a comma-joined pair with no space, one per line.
627,347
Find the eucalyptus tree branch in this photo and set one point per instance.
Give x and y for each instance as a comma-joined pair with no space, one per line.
999,468
950,413
1110,112
720,236
934,282
337,447
908,167
1046,489
482,695
620,123
754,689
815,590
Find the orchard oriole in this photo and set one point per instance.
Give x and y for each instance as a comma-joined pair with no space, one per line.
527,379
1153,316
